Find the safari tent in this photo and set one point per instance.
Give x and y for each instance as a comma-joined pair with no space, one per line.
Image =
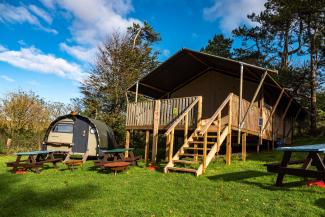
79,134
211,102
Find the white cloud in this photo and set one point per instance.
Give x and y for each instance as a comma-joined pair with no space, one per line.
92,22
33,59
2,48
41,13
7,78
231,13
83,53
20,14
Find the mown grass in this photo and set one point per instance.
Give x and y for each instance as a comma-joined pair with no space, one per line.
242,189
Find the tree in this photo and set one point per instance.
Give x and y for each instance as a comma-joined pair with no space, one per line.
219,46
312,13
256,47
284,31
121,60
24,115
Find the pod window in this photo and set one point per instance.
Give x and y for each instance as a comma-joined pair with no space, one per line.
63,128
92,130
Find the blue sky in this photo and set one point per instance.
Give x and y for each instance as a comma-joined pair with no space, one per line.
47,46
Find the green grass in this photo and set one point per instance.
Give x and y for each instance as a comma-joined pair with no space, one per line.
242,189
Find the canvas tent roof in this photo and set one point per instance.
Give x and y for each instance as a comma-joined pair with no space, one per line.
104,133
186,65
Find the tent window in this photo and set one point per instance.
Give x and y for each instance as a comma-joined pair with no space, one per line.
63,128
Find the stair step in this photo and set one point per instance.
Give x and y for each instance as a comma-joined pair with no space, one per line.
191,155
200,142
186,162
193,148
182,169
209,137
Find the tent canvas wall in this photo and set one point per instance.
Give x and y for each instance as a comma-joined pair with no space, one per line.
79,134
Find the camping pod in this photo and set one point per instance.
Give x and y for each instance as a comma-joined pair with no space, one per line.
79,134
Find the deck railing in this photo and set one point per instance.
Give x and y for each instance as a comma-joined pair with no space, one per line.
141,114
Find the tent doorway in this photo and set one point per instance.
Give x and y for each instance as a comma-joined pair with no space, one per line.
80,136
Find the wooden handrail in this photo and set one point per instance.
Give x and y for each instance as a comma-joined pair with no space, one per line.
214,116
178,120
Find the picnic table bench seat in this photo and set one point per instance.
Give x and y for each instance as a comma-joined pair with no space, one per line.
117,155
313,158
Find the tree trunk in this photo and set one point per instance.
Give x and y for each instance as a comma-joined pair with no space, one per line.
313,85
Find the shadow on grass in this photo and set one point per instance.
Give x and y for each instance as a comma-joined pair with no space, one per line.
237,176
243,177
321,203
27,200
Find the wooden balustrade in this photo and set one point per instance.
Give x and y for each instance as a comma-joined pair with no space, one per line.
140,114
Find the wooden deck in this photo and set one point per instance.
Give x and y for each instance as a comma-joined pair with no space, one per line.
184,115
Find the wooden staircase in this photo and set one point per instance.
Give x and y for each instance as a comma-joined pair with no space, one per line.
190,157
200,148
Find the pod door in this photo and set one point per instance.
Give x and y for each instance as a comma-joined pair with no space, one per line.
80,136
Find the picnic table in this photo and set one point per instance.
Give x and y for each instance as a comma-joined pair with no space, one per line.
313,158
34,161
116,166
117,155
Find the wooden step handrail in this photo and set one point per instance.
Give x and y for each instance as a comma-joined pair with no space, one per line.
180,117
214,116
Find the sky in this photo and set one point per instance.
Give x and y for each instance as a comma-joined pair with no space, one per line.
48,46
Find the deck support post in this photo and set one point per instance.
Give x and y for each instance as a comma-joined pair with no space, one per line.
146,149
167,147
171,146
127,143
240,100
228,147
260,135
156,119
243,147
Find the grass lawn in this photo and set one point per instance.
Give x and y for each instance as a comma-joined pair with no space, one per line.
242,189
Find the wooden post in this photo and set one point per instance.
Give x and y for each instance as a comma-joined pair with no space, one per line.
260,135
127,143
171,146
167,147
136,91
155,131
205,151
199,111
219,131
186,129
240,100
254,98
243,147
273,110
228,147
146,149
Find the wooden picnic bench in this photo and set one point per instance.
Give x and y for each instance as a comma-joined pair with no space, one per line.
74,163
35,160
313,158
116,166
117,155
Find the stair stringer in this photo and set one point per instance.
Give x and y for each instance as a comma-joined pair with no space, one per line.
176,156
213,151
